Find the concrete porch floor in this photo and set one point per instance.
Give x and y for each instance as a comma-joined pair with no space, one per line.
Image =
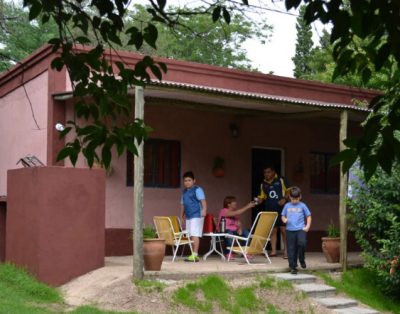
215,265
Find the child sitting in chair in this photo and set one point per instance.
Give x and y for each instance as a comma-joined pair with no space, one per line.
232,222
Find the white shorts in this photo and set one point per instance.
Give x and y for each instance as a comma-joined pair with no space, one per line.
194,226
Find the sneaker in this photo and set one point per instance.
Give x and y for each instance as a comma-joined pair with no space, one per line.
192,258
293,271
303,265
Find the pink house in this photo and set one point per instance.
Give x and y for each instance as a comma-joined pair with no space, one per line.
198,112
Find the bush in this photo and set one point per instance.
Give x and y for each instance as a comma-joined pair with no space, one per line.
375,220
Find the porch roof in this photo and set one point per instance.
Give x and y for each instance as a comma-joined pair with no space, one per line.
278,106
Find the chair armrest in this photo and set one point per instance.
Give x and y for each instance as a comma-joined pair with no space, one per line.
228,235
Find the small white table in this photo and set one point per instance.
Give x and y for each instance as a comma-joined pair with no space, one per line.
213,244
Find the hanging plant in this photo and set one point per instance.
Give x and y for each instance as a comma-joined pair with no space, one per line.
219,167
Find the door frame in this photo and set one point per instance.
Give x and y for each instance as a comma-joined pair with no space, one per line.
282,150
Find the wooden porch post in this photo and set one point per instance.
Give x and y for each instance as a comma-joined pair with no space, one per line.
343,193
138,193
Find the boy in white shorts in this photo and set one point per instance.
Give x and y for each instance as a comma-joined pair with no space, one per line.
193,209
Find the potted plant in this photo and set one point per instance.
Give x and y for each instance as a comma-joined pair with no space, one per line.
219,167
331,244
153,249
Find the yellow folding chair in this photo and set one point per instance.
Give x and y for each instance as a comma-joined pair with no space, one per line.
258,238
169,231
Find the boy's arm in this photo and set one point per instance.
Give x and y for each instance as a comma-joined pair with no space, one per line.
308,225
182,213
203,208
284,219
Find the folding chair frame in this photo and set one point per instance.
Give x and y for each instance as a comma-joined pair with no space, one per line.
177,236
251,237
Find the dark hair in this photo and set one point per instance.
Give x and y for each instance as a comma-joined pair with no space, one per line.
228,200
295,192
269,166
188,174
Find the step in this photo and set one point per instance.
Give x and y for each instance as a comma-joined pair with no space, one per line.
336,302
356,310
314,290
299,278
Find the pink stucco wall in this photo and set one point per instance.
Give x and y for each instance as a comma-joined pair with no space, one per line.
19,135
204,135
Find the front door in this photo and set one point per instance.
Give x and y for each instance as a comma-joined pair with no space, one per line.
261,157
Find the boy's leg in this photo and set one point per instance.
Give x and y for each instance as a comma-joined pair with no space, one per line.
291,247
301,246
196,244
195,230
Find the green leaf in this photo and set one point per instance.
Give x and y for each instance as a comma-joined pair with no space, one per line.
150,35
64,153
348,155
227,16
216,14
156,71
34,10
106,156
292,4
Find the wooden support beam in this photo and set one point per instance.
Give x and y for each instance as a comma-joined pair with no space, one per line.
343,193
138,193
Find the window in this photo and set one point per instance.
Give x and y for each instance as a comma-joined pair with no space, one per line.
323,178
162,161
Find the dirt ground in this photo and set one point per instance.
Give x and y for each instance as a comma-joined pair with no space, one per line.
123,295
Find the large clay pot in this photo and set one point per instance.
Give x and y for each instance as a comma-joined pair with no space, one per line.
153,253
331,249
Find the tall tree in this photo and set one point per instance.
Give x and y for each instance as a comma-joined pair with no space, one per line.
19,37
196,39
304,45
322,66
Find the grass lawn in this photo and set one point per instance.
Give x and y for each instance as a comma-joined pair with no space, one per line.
20,293
360,284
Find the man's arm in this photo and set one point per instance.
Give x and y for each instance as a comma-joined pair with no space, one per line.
203,208
308,225
261,196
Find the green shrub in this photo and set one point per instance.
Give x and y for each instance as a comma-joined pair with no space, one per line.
375,219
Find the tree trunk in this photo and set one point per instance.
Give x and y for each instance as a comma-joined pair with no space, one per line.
138,193
343,193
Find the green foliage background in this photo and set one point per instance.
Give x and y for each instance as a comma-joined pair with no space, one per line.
375,219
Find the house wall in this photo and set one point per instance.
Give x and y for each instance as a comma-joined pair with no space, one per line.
19,135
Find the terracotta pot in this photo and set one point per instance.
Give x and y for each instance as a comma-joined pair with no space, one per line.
331,249
219,172
153,253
